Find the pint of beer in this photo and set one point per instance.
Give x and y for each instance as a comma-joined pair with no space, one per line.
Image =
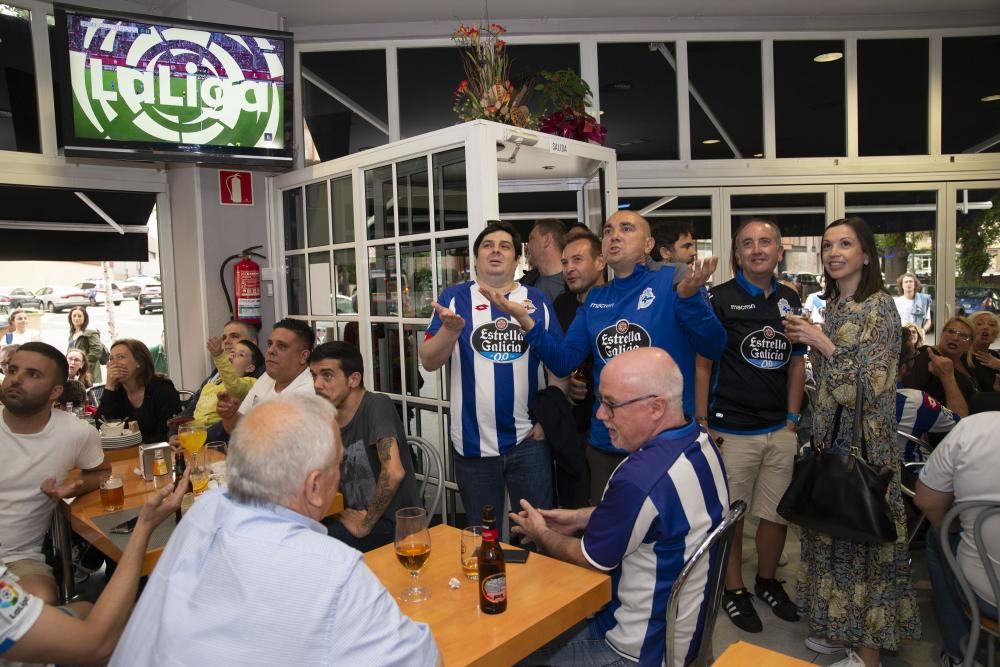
112,492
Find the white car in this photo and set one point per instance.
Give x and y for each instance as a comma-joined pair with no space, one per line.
94,289
58,298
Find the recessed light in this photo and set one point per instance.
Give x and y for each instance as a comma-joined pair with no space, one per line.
709,142
990,98
828,57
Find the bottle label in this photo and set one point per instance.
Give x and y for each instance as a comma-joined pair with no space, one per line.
159,466
495,587
489,535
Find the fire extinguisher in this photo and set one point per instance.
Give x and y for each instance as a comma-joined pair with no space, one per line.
245,305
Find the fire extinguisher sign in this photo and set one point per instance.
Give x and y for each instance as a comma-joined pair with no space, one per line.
235,188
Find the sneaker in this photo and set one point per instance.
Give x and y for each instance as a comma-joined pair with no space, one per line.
739,605
825,646
948,661
773,593
852,660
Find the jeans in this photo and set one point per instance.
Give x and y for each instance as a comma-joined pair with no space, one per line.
580,646
948,597
383,532
525,472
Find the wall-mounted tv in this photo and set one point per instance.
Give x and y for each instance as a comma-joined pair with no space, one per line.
152,88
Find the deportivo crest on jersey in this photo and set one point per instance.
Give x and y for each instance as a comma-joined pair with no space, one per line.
766,348
528,305
646,298
500,341
621,336
783,307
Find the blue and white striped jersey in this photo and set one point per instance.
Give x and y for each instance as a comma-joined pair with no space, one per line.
660,504
918,413
494,374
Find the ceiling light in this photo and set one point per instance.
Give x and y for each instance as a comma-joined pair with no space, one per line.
990,98
709,142
828,57
758,155
624,204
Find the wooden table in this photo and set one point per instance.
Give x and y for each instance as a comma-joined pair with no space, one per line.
741,654
84,508
545,598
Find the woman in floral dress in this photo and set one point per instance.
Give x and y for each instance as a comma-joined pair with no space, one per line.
857,595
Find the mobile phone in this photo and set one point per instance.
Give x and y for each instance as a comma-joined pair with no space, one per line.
515,555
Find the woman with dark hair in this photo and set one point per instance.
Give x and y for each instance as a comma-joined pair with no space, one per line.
19,333
78,367
88,340
857,596
134,392
955,342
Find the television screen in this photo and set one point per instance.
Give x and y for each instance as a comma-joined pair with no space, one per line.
142,87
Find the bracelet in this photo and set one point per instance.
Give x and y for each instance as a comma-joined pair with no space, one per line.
793,417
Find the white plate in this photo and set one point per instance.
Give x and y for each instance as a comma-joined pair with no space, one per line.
120,441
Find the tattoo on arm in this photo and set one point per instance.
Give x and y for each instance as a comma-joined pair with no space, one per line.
384,491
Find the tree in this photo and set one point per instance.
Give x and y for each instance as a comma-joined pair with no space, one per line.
975,235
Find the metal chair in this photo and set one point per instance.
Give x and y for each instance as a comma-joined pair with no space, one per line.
971,607
59,553
94,394
186,396
428,466
704,571
911,493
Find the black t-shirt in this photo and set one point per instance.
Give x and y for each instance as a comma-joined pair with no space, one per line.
375,419
749,390
566,305
920,377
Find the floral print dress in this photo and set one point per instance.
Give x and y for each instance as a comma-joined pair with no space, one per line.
860,594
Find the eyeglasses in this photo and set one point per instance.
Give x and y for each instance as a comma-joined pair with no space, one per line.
611,407
961,335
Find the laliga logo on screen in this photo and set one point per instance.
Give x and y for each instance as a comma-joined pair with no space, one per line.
212,101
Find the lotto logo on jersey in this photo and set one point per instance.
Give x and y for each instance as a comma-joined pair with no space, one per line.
500,341
621,336
766,348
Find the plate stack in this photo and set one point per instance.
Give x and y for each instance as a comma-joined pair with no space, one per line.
123,441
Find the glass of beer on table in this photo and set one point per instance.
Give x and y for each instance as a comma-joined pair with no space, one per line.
193,436
413,548
112,491
472,539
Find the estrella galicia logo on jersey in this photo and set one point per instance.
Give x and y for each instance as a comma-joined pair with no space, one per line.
646,298
621,336
766,348
500,341
783,307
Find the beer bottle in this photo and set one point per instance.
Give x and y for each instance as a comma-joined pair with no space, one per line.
492,571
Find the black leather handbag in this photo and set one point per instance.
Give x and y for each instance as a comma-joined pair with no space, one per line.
841,494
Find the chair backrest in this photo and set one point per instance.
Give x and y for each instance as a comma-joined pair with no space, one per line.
428,467
722,536
989,509
94,394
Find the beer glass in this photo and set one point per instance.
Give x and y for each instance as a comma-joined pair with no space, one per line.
112,491
413,548
472,539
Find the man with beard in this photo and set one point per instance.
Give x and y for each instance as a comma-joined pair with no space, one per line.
675,241
38,446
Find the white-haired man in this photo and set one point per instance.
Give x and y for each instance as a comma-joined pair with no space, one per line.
250,576
659,504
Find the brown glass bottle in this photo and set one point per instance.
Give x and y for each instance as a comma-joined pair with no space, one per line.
492,570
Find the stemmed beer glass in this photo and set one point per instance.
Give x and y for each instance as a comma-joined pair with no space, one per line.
413,548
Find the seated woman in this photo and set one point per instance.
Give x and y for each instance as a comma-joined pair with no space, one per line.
985,362
954,343
916,333
78,367
236,376
134,392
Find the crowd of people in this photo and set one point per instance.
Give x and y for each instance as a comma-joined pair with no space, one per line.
621,415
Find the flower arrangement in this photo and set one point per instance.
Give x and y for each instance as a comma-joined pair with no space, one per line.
486,92
565,97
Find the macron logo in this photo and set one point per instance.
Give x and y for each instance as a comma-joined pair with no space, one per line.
602,305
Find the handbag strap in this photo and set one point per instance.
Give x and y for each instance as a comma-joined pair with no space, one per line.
858,435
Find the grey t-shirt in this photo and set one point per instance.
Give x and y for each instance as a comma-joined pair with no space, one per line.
375,419
552,286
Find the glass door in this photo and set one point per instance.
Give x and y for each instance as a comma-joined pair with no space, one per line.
976,222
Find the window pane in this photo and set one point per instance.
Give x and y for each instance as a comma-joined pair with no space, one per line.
347,282
727,75
968,123
450,205
638,90
411,186
326,332
18,96
418,290
317,214
419,381
382,278
892,96
809,115
357,79
295,279
453,262
385,356
427,82
342,196
380,205
320,286
978,262
295,231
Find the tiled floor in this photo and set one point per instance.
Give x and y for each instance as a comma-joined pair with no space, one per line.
788,638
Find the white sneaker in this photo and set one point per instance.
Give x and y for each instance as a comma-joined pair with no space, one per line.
824,645
852,660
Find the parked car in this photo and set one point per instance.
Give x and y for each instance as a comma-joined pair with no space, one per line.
805,283
971,300
150,298
94,289
130,289
59,298
18,297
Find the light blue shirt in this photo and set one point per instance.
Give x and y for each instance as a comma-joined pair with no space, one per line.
250,585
